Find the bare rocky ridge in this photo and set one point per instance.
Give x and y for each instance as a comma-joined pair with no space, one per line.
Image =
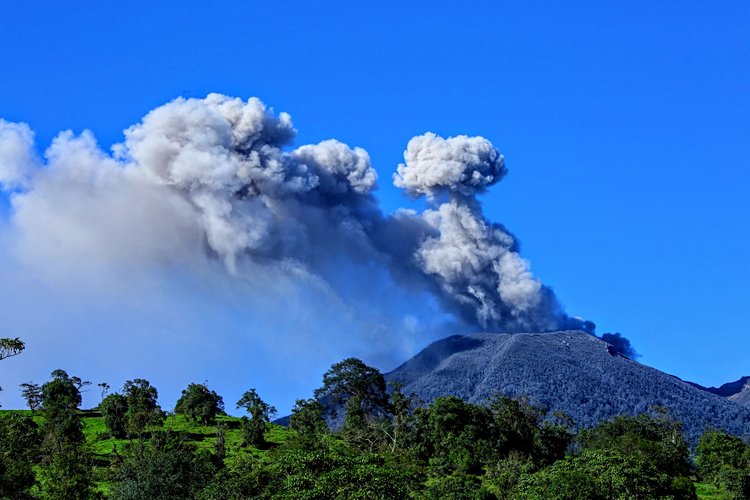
571,371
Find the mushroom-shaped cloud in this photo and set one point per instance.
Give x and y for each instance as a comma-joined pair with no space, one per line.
458,165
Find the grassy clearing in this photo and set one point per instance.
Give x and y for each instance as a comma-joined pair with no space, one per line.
203,436
105,448
707,491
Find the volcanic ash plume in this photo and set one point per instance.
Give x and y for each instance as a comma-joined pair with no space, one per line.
216,178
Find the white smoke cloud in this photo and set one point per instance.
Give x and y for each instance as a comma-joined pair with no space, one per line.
204,181
458,165
477,267
17,158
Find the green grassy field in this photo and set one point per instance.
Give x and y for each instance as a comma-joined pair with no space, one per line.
710,492
105,448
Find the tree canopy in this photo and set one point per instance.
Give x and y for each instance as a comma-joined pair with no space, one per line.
11,347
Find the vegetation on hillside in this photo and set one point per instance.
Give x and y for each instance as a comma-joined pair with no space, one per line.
389,446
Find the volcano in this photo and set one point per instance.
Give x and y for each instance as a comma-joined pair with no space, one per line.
571,371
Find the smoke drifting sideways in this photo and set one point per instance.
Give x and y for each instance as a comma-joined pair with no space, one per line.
215,187
620,344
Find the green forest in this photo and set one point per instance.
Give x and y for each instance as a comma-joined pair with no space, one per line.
355,438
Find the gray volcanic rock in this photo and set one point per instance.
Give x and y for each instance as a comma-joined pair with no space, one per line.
571,371
742,397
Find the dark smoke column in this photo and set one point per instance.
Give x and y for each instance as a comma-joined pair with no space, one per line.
474,264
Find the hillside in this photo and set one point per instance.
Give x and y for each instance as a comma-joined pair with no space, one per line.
570,371
737,391
743,396
105,449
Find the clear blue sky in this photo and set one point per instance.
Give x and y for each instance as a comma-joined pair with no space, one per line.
625,127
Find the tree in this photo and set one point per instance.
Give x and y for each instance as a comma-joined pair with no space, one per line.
307,420
220,445
515,426
260,413
11,347
453,436
143,409
724,460
60,400
352,378
654,438
19,451
66,467
32,393
114,409
167,468
595,474
200,404
80,384
104,389
654,444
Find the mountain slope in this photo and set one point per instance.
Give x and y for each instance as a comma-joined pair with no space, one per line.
570,371
742,397
737,391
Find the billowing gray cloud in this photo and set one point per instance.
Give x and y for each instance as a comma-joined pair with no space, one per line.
199,180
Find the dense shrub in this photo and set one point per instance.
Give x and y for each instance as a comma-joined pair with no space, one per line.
200,404
20,440
114,409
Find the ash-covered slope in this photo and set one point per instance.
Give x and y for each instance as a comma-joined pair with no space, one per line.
742,397
570,371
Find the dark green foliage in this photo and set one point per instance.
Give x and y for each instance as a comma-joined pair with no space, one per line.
401,424
20,442
334,472
66,465
352,378
365,476
114,409
554,438
143,409
515,426
200,404
456,486
60,400
66,473
166,468
453,436
642,455
220,445
655,439
245,480
596,474
254,428
307,421
724,460
501,477
32,393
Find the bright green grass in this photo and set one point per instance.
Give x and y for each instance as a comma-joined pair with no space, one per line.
104,448
707,491
203,436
